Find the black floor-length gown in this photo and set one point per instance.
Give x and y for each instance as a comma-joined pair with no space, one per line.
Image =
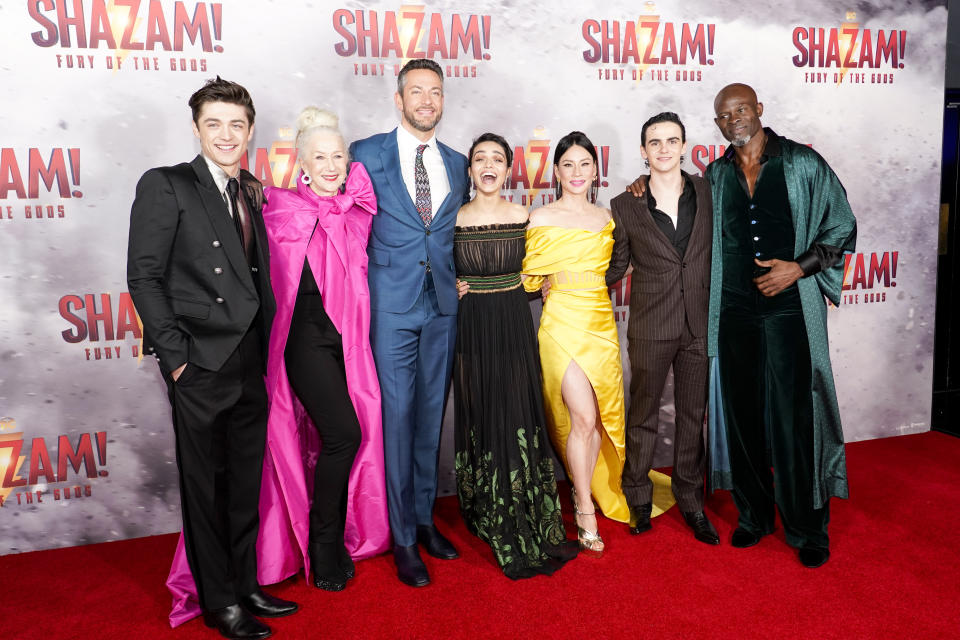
505,474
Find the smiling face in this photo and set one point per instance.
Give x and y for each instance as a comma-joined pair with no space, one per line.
223,131
324,159
738,113
422,101
664,146
488,167
575,171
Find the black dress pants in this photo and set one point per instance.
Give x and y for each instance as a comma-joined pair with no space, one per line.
315,368
766,378
220,422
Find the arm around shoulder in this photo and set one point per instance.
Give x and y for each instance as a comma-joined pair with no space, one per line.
620,257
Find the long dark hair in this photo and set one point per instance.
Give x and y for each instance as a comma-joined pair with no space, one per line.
576,139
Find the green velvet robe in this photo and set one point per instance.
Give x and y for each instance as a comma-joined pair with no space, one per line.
821,213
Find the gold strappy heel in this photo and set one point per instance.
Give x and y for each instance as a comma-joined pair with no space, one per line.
590,541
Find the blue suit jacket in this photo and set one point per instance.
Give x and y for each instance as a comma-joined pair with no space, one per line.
401,248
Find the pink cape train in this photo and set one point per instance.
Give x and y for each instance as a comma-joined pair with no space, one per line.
338,251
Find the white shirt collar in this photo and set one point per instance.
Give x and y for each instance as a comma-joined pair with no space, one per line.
220,176
407,143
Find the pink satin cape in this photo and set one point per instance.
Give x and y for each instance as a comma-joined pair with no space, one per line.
332,234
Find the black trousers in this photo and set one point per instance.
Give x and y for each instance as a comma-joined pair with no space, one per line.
315,368
220,422
766,377
650,360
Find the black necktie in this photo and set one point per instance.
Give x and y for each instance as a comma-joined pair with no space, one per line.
233,190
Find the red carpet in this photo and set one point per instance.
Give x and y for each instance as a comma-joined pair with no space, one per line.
894,572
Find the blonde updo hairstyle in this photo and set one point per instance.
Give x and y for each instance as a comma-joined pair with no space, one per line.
315,120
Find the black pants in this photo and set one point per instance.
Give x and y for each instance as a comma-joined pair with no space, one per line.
220,422
650,360
315,368
766,376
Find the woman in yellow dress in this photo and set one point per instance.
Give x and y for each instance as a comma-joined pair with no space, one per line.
569,243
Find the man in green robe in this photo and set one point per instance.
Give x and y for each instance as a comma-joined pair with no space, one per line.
781,224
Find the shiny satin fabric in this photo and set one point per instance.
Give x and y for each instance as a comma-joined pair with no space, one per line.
331,233
577,324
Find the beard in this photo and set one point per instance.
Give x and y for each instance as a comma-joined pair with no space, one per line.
741,141
422,125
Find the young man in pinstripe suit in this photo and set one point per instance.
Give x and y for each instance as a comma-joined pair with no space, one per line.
666,235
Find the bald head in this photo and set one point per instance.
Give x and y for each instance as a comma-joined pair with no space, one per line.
738,113
742,91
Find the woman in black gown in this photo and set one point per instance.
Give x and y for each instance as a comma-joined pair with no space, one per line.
505,474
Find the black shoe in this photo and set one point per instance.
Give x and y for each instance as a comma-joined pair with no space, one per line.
265,605
236,623
410,568
641,516
813,557
325,564
435,544
702,529
346,563
742,538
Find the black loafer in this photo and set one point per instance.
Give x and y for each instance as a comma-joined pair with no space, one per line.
235,623
742,538
813,557
410,568
435,544
702,529
265,605
640,515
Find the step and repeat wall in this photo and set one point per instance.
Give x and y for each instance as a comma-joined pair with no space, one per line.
95,93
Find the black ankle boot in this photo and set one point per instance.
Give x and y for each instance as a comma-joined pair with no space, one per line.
345,562
324,560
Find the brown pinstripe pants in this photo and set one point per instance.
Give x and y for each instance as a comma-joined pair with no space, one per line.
650,360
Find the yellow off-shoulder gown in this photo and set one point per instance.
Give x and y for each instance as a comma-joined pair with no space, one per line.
577,323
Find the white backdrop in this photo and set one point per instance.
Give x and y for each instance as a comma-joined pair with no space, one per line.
96,93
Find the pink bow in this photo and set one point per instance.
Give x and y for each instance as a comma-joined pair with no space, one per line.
358,191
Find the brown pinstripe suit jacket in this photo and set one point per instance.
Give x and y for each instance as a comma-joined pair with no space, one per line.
665,289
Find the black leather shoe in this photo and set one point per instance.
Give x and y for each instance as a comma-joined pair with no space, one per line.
265,605
702,529
641,517
236,623
742,538
410,568
325,564
435,544
813,557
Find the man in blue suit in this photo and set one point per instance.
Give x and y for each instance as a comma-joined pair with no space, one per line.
420,185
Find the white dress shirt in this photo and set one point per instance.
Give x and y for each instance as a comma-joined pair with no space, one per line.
407,145
220,178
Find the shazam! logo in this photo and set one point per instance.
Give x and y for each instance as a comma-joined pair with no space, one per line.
381,42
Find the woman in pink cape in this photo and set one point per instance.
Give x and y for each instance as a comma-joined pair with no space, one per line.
324,423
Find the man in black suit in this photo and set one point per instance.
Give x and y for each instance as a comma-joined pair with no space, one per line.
666,234
198,272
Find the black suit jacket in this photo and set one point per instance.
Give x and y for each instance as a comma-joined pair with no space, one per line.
186,271
665,289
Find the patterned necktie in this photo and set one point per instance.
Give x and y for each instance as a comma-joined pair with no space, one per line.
424,206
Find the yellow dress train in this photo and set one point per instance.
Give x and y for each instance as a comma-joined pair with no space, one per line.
577,324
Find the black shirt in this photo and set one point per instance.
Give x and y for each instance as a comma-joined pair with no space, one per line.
818,256
679,237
